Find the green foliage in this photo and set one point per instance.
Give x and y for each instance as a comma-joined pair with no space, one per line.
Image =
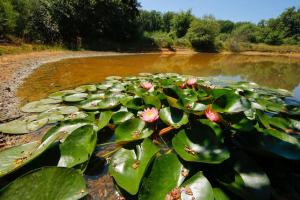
181,23
202,34
169,140
8,17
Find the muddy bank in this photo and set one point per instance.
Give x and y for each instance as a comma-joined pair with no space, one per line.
14,68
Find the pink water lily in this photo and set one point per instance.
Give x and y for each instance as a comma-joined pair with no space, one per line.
183,85
150,115
191,82
212,115
146,85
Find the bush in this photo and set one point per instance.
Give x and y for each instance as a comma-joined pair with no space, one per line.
161,39
202,34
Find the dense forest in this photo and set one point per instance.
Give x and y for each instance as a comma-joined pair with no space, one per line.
89,23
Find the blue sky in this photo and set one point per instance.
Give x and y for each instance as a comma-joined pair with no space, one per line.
235,10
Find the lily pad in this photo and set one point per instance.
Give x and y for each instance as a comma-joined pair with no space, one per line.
107,103
173,117
22,126
121,117
167,173
133,129
198,145
128,166
77,147
75,97
104,119
86,88
49,183
37,106
197,188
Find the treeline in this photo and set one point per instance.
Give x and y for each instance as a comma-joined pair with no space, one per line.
207,33
71,22
88,23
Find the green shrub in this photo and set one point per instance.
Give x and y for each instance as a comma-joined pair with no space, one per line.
202,34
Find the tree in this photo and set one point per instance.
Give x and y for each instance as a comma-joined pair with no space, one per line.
181,23
226,26
167,21
7,17
202,33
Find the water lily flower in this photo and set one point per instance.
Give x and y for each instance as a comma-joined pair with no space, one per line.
183,85
212,115
146,85
150,115
191,82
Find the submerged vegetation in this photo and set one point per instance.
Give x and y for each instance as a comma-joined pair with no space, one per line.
122,25
172,137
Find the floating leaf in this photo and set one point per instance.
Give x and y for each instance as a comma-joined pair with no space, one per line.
75,97
153,101
121,117
49,183
77,147
86,88
173,117
22,126
197,188
133,129
37,106
199,145
128,165
106,103
166,174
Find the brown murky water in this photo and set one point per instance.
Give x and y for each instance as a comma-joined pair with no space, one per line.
277,72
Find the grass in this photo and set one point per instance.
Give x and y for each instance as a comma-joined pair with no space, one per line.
269,48
6,49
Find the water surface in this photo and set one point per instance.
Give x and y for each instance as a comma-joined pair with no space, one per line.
272,71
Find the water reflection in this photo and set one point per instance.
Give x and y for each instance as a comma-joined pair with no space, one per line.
277,72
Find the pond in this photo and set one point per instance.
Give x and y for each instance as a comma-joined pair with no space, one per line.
275,71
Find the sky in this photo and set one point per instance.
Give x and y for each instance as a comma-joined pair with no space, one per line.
234,10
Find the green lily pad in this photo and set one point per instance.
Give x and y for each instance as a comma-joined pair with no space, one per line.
121,117
135,104
231,103
60,94
86,88
75,97
77,147
104,119
167,173
22,126
107,103
49,183
197,188
37,106
198,145
220,194
173,117
153,101
15,157
133,129
128,165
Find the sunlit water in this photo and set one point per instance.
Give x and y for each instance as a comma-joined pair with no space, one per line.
277,72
